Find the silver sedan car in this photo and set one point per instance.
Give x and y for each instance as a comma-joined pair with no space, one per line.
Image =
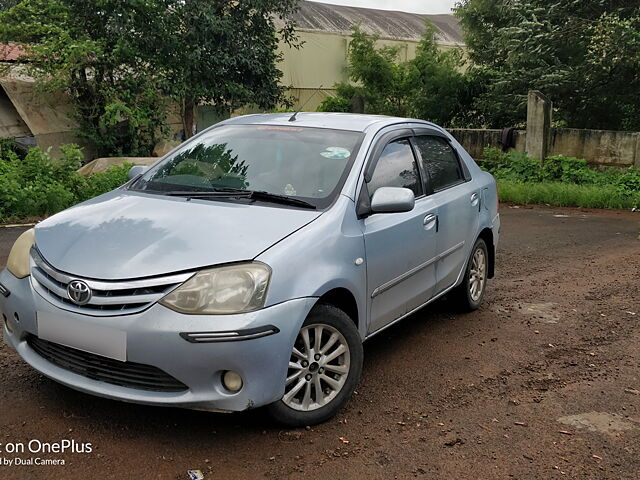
248,266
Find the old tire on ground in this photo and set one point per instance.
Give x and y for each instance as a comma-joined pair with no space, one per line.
324,368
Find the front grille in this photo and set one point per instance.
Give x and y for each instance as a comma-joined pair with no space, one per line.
96,367
108,297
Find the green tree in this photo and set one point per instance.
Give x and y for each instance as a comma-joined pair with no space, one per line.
430,86
121,63
584,54
97,53
224,53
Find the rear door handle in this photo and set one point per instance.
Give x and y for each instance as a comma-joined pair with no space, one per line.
430,221
475,198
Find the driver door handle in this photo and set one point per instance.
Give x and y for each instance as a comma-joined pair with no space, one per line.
430,221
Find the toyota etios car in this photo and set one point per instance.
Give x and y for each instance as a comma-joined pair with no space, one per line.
246,267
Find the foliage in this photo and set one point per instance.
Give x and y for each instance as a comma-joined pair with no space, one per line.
335,104
558,177
7,4
37,185
430,86
584,55
565,195
98,54
223,53
121,62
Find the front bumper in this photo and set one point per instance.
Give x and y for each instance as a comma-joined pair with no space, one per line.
153,338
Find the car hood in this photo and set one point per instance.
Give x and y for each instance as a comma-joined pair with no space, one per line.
123,235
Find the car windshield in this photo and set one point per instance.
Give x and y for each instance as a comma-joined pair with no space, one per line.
299,162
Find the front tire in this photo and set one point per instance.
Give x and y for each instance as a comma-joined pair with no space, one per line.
324,369
469,294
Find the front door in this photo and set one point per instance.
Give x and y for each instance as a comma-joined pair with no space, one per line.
400,247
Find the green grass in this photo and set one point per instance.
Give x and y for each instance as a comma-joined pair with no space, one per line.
566,195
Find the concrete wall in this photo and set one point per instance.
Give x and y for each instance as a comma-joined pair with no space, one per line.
538,144
475,140
601,147
598,147
11,125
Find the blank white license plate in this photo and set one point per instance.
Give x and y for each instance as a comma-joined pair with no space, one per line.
104,341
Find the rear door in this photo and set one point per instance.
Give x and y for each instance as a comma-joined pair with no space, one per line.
458,203
400,247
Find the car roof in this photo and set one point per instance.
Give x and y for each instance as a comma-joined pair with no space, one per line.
339,121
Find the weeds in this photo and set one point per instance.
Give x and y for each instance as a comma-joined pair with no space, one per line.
562,181
35,185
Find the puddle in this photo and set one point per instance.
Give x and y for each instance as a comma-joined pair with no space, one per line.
545,311
601,422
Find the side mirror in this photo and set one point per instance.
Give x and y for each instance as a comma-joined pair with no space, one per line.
392,200
137,170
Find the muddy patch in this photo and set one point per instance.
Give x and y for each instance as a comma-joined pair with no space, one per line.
602,422
544,311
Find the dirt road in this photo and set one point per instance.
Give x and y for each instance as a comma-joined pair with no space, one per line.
542,382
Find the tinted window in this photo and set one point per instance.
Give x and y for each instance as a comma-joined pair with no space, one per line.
396,168
440,161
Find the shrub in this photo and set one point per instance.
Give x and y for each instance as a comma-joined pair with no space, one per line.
335,104
514,166
555,181
37,185
569,170
629,183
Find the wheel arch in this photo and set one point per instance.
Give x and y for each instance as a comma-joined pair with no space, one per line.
343,298
487,235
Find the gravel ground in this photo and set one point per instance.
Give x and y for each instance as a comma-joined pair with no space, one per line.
542,382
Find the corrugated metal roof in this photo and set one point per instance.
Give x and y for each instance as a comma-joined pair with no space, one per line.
384,23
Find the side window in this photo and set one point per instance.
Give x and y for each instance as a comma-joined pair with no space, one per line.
440,161
396,167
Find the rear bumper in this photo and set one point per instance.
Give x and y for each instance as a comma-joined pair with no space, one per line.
153,338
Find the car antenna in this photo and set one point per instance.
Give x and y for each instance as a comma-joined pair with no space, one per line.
293,117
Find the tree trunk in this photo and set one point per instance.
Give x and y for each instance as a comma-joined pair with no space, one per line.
188,116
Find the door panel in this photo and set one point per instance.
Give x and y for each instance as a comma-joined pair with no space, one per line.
400,268
400,247
458,222
458,204
420,287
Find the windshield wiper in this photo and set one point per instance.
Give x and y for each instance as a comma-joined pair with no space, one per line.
240,193
274,197
219,192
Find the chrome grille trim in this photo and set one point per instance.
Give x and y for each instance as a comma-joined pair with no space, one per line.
110,298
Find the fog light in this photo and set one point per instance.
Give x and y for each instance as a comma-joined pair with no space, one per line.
6,323
232,381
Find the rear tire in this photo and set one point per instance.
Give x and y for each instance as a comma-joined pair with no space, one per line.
470,293
324,369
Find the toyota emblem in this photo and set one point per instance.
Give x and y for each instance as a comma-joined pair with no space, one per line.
79,292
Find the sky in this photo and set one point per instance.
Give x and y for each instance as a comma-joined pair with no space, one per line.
415,6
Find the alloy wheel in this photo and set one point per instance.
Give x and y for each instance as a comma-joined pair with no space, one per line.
478,274
318,368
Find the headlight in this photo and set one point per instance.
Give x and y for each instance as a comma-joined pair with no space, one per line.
18,262
223,290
